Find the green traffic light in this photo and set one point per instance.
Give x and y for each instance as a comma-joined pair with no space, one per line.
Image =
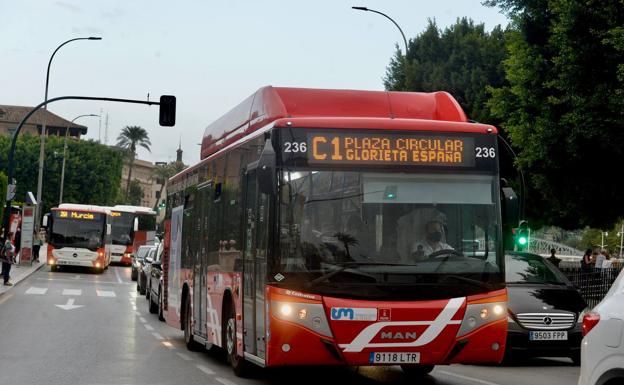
522,241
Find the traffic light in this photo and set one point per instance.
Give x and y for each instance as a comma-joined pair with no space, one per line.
167,113
522,233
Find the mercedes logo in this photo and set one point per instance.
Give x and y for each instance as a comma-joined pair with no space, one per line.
547,320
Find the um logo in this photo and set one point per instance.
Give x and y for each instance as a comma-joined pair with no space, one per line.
338,313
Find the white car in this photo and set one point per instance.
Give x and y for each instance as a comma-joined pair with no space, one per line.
602,348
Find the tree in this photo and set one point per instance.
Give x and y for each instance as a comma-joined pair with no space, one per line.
3,189
162,173
462,59
563,106
134,194
128,139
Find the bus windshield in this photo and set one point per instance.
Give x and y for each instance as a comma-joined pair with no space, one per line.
122,228
78,233
341,228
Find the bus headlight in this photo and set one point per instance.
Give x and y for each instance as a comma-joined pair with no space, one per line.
286,310
309,315
97,265
480,314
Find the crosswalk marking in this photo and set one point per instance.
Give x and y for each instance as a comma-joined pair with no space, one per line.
105,293
75,292
37,290
158,336
205,369
184,356
148,327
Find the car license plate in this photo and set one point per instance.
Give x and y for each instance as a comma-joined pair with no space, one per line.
394,358
548,336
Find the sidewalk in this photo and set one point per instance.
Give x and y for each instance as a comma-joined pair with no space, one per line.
20,273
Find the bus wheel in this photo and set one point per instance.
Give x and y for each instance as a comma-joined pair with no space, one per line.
416,371
161,316
242,368
191,344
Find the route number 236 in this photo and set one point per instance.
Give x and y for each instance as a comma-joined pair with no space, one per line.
485,152
295,147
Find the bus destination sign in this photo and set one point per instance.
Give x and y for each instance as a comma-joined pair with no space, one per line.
390,148
82,215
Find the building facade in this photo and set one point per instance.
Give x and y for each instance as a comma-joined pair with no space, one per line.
143,172
11,116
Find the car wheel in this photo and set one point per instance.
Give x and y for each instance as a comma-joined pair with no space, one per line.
141,285
133,275
153,307
242,368
191,344
147,290
161,315
576,358
416,371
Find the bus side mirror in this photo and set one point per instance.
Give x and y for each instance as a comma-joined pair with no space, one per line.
136,224
266,172
108,229
44,221
511,207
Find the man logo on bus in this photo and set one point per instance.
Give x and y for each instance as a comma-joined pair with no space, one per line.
339,313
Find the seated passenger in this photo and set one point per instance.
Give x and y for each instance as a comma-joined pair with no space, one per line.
432,242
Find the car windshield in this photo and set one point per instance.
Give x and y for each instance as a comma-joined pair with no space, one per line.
341,227
531,268
77,233
122,228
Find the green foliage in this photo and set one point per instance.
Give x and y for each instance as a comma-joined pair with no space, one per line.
563,106
135,194
462,59
127,140
92,170
593,238
3,190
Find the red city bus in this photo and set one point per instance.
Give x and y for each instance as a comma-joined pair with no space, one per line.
78,235
132,227
326,227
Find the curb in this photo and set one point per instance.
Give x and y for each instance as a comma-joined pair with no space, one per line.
23,277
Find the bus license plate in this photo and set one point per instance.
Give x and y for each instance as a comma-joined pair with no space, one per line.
394,358
548,336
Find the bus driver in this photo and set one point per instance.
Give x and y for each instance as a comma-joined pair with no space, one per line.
432,241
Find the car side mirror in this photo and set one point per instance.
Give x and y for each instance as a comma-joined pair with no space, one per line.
149,260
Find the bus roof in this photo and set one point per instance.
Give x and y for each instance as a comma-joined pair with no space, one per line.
133,209
316,108
81,207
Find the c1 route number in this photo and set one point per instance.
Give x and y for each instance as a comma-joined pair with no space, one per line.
485,152
295,147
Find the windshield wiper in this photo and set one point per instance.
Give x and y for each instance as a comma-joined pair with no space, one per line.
347,265
471,281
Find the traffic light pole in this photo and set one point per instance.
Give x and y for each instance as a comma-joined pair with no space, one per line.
9,198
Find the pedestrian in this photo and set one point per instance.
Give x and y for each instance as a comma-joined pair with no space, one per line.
586,261
553,258
8,258
600,258
607,261
36,246
17,242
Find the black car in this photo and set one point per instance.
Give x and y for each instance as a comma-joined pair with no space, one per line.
143,270
155,286
545,309
137,261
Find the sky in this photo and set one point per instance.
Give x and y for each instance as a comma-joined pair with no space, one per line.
210,54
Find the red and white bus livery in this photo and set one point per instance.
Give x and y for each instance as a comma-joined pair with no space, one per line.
78,235
132,227
327,227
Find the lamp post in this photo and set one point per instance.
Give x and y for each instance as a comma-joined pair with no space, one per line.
64,152
400,30
43,130
621,234
602,244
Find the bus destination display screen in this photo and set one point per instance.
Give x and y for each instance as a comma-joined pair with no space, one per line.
326,147
80,215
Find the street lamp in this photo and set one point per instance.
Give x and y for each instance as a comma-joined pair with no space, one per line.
64,152
602,244
621,235
43,129
400,30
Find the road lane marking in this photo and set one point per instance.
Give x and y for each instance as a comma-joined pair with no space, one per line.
73,280
133,294
74,292
205,369
168,344
105,293
184,356
4,298
69,305
143,320
225,381
148,327
36,290
118,277
136,312
472,379
158,336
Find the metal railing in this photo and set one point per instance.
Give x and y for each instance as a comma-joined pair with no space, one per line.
593,284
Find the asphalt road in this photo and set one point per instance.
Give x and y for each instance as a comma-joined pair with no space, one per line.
112,339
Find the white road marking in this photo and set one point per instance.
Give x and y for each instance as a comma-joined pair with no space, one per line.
472,379
136,312
74,292
4,298
143,320
118,277
90,281
133,294
105,293
184,356
148,327
157,336
205,369
36,290
168,344
69,305
225,381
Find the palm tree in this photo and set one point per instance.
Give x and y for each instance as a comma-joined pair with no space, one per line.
128,139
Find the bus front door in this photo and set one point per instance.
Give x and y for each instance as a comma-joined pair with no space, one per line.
254,265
